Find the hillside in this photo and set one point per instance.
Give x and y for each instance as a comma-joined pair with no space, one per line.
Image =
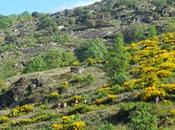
106,66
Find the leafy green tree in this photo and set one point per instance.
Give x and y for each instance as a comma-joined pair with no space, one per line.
142,119
118,62
95,49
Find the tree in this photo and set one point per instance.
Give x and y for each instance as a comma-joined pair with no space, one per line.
94,49
118,62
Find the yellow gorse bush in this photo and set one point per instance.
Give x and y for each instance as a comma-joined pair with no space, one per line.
79,125
4,119
57,126
66,119
21,110
152,60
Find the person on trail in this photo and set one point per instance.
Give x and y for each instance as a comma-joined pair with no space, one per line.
157,99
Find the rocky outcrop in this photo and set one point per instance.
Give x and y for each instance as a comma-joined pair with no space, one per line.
20,91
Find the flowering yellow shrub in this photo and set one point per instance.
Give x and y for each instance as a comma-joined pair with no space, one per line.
65,84
91,61
164,73
66,119
152,92
129,85
168,38
99,101
57,126
172,113
153,63
53,95
167,65
69,123
111,97
170,88
4,119
78,98
79,125
21,110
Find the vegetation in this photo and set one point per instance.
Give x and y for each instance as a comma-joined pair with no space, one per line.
94,49
110,66
118,62
52,59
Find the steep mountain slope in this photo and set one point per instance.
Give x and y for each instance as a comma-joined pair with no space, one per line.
88,93
54,69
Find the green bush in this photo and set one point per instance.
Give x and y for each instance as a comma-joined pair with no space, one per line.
52,59
7,70
7,47
79,109
135,32
36,64
61,38
170,26
152,31
94,49
142,119
117,64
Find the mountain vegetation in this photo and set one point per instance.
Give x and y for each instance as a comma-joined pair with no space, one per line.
106,66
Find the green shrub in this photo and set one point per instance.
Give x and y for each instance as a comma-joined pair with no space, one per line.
52,59
94,49
7,47
36,64
61,38
7,70
47,23
142,119
135,32
79,109
170,26
21,110
152,31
